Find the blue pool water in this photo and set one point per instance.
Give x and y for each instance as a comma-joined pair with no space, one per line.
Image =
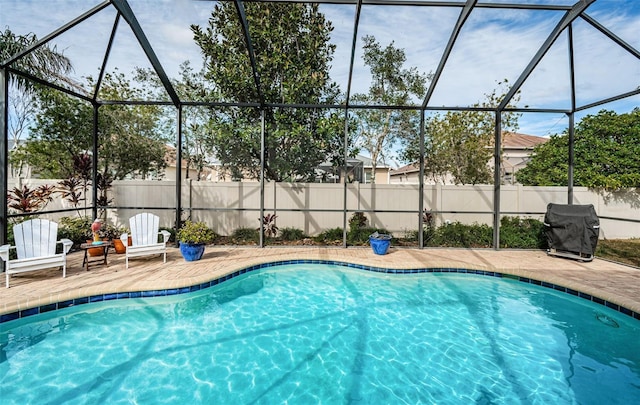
308,334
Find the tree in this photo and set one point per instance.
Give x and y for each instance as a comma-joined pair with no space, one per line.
459,144
131,142
292,55
22,108
62,130
606,147
133,137
195,130
378,130
45,62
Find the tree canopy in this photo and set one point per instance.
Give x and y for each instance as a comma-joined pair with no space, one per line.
44,61
459,144
292,56
131,143
391,84
606,148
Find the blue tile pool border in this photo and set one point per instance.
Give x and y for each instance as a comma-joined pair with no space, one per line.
183,290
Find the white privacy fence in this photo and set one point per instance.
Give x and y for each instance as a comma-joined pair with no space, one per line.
314,207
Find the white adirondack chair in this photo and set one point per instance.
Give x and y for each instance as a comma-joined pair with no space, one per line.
144,237
36,241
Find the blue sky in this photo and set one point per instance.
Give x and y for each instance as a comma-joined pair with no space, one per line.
493,45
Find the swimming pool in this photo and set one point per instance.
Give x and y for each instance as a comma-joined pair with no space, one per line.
310,333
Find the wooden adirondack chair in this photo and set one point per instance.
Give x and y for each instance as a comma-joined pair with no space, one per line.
36,241
144,237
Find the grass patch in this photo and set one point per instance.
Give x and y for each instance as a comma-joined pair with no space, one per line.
620,250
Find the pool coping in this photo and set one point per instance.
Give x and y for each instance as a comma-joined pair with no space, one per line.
147,293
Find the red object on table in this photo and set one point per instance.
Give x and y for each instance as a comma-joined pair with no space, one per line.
95,227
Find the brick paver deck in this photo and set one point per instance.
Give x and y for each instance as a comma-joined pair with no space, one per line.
611,282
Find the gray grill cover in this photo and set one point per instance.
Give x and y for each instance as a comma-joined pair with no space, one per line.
572,228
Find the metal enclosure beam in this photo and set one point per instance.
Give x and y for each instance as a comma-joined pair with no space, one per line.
50,85
571,159
421,185
4,153
178,212
263,143
571,140
432,3
105,58
462,18
611,35
344,177
354,41
496,180
568,18
124,11
252,55
609,100
57,32
129,16
94,162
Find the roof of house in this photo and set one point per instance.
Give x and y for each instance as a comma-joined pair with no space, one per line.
410,168
171,156
514,140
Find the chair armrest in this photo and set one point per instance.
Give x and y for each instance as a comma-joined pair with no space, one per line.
4,252
66,244
125,238
165,235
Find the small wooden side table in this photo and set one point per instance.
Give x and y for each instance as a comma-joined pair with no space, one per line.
95,260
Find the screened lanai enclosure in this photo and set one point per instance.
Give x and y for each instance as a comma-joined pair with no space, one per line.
230,111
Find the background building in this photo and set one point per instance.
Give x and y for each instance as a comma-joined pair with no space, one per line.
517,150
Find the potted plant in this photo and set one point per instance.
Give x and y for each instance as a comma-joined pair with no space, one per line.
380,243
193,236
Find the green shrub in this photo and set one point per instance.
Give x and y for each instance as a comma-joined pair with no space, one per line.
195,232
246,235
515,233
358,220
457,234
78,229
10,238
292,234
330,235
111,232
428,234
522,233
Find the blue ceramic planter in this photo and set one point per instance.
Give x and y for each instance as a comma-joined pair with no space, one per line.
191,251
380,243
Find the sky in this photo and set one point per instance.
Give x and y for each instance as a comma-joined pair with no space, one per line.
493,45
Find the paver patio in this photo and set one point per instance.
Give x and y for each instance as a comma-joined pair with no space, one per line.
609,281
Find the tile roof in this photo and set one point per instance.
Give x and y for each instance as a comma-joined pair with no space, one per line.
410,168
514,140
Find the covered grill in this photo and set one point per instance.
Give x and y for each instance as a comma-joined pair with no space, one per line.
572,230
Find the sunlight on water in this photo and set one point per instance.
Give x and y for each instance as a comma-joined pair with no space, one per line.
326,334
